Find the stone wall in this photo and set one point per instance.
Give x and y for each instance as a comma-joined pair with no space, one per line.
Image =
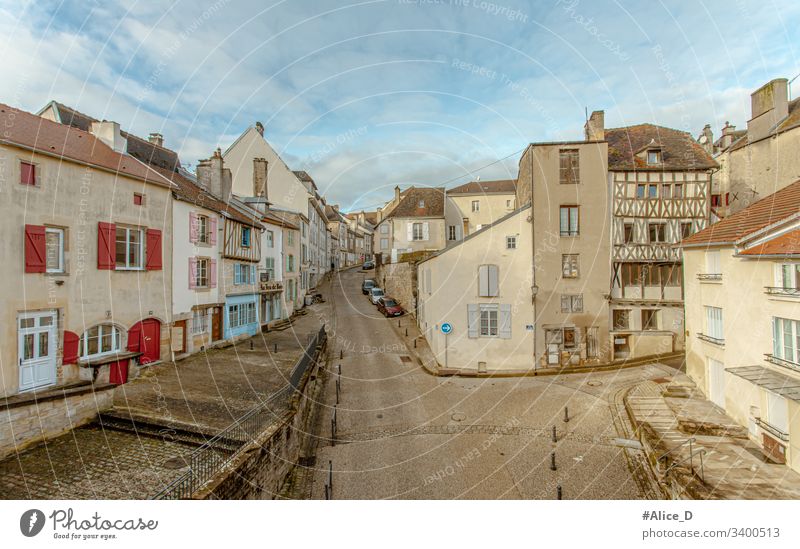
26,419
399,280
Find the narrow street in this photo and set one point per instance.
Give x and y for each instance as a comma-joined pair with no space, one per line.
403,433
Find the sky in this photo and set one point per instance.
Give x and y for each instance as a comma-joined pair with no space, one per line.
371,94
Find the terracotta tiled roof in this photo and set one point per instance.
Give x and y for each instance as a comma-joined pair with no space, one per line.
432,197
786,244
189,191
47,137
790,122
777,206
274,219
506,186
372,217
679,150
139,148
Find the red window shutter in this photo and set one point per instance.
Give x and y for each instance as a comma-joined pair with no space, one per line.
106,236
212,276
71,340
27,173
35,249
153,250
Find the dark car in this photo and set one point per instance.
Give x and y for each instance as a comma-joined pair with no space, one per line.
367,286
389,307
368,265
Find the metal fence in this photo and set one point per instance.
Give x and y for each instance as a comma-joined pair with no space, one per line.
215,453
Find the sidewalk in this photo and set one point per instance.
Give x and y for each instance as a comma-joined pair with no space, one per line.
666,413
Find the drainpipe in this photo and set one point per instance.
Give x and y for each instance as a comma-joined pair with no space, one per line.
533,256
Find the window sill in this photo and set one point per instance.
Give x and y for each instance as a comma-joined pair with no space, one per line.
107,358
131,269
712,340
713,278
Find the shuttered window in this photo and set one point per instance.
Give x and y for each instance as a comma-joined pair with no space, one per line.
489,320
714,323
106,234
153,250
569,169
35,249
488,280
27,173
571,303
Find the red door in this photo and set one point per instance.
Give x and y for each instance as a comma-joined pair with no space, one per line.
145,337
119,372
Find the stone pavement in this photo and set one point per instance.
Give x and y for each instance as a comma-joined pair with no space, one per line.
669,412
202,394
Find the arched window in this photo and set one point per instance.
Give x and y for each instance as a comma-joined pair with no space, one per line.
100,340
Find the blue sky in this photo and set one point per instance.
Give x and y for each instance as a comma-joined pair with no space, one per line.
372,94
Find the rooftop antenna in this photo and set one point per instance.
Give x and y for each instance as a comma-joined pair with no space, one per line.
790,85
586,113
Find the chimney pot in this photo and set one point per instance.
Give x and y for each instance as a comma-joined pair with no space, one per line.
156,139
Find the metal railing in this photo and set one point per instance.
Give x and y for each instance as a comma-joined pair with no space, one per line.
782,362
690,458
771,429
781,291
205,461
709,276
711,339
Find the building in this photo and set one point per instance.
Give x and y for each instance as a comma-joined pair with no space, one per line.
742,283
290,227
660,184
87,270
482,203
337,226
481,288
762,159
364,234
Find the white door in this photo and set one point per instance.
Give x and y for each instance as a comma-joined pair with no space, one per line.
716,382
37,349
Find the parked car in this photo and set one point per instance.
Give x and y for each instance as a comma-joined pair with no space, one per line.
389,307
375,294
368,265
367,285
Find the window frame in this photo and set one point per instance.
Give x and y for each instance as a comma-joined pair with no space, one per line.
115,337
476,205
661,232
414,236
714,325
570,209
511,242
202,272
246,239
570,266
61,269
128,231
451,232
652,321
34,171
488,308
569,169
626,314
571,303
202,316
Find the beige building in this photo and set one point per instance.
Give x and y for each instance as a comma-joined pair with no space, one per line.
761,159
481,288
481,203
742,283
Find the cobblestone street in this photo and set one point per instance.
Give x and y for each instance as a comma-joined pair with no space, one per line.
403,433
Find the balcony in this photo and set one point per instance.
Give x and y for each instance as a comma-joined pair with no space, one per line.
710,339
782,362
709,277
782,292
771,429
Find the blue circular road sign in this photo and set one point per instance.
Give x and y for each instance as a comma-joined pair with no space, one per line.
446,328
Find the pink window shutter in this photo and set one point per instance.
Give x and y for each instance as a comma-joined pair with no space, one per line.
212,273
212,237
192,227
192,273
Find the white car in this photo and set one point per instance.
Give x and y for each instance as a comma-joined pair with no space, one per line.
375,294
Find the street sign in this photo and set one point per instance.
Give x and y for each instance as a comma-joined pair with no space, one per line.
446,328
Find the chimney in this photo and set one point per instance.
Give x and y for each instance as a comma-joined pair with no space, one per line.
260,128
769,104
217,179
156,139
595,127
397,193
108,132
260,177
708,142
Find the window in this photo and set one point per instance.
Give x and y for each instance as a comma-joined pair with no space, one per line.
786,339
290,238
417,231
788,276
568,168
508,204
27,173
511,242
714,323
269,265
686,229
631,274
421,203
303,253
270,239
654,157
652,191
488,326
569,220
384,243
569,338
715,200
622,319
628,232
658,232
713,262
54,250
677,190
451,232
200,321
569,265
476,206
289,263
129,248
100,340
201,274
243,273
488,280
571,303
385,229
303,226
666,191
245,237
640,188
241,314
649,319
138,199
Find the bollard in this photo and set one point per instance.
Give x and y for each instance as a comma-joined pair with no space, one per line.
552,461
566,414
398,322
341,354
406,332
251,344
558,491
415,342
340,370
275,348
338,388
555,435
330,477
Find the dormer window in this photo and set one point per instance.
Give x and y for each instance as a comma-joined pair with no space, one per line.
654,156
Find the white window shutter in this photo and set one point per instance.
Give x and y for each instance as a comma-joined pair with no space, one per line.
504,322
459,230
428,280
426,231
483,281
473,320
493,280
410,231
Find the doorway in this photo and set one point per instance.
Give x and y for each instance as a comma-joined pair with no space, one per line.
37,346
145,337
716,382
216,324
